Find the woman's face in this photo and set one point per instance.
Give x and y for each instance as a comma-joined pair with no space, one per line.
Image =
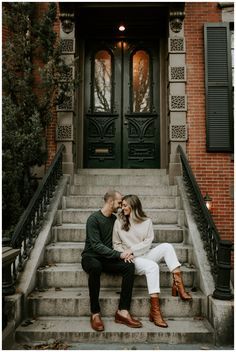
126,208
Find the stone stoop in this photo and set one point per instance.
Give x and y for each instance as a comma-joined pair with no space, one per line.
59,307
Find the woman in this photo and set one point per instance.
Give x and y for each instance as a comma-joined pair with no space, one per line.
133,231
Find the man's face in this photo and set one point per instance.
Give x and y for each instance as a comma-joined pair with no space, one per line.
117,202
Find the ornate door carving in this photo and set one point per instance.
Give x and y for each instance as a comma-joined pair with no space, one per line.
122,105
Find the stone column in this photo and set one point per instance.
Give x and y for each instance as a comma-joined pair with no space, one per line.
178,132
65,111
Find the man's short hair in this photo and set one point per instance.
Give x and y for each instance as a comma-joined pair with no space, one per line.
110,194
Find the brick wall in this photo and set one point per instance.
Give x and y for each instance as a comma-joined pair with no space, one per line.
5,30
51,133
214,171
51,129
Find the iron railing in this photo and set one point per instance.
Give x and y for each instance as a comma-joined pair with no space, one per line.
218,251
30,223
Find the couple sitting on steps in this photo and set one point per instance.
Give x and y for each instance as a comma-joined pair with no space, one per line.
121,245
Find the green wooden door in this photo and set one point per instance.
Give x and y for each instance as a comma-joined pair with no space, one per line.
122,105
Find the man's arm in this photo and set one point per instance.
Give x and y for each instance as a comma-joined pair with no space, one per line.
93,233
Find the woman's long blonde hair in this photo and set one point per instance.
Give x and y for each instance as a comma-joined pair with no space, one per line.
137,213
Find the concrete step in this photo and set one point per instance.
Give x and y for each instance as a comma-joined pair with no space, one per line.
74,329
75,302
76,233
158,216
72,275
156,202
70,252
122,180
139,190
124,172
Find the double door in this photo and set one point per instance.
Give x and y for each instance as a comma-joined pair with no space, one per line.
122,104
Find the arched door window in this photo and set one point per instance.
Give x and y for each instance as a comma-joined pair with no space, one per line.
141,93
102,81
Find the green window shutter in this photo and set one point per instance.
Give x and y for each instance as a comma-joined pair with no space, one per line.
218,84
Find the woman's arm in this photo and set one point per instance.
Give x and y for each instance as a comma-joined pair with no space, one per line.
143,246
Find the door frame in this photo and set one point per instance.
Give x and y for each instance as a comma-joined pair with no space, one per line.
163,106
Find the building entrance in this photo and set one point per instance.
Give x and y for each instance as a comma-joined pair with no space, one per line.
121,115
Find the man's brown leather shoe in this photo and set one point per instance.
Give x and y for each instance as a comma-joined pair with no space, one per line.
96,323
130,321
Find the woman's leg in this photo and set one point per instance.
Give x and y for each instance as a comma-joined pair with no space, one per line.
166,251
149,268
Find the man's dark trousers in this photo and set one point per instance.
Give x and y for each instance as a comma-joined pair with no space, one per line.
94,266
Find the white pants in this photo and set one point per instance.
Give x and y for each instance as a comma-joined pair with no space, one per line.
147,265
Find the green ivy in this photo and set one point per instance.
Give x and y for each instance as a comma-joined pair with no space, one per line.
30,51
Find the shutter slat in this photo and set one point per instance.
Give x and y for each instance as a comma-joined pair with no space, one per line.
219,126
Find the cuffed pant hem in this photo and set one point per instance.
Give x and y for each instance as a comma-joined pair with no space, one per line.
173,267
153,291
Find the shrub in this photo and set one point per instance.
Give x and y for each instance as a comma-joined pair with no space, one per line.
32,67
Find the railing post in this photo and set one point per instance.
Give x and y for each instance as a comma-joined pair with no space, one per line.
223,290
8,285
7,281
8,257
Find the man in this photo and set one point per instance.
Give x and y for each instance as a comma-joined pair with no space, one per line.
99,256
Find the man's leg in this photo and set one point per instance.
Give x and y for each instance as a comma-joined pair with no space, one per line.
127,271
93,267
119,267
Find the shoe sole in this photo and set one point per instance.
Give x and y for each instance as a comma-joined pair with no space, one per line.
129,325
99,330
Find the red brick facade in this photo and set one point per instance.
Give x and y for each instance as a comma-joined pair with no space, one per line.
51,131
214,171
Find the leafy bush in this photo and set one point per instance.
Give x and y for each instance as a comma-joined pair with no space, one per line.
32,68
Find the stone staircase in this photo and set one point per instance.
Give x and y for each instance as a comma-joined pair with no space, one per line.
58,308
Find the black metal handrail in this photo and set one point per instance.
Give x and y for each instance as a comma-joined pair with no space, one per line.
30,223
218,251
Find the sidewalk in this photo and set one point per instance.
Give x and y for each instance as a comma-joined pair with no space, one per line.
116,346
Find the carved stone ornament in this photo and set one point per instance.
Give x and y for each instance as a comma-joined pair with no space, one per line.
178,133
64,133
178,103
176,20
67,22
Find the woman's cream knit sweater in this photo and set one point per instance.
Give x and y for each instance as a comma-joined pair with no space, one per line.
139,237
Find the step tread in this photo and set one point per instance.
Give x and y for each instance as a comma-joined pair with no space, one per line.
121,179
169,196
173,227
80,245
135,189
77,267
82,325
120,171
138,187
82,292
96,209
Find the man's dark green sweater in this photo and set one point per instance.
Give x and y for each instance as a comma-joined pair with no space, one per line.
98,242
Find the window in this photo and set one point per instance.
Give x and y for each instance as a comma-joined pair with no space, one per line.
218,84
102,83
141,81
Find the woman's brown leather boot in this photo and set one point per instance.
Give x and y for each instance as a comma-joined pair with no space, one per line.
178,287
155,313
